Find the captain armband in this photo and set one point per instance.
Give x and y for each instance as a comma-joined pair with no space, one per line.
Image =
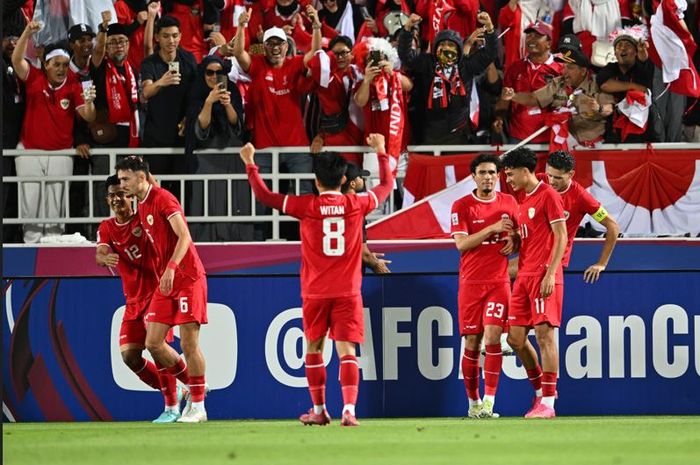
600,214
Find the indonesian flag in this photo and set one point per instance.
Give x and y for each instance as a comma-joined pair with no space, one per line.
672,48
439,10
558,122
427,174
321,66
634,113
426,219
474,105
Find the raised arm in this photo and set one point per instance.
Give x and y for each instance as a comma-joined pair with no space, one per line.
153,9
386,180
239,51
20,65
523,98
98,53
262,193
406,53
316,36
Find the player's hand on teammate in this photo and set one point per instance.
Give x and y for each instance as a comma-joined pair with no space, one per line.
376,141
166,281
509,246
503,225
248,154
547,286
592,273
110,259
379,264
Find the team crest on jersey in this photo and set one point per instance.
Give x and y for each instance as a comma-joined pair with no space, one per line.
137,231
531,212
566,214
455,219
149,219
64,103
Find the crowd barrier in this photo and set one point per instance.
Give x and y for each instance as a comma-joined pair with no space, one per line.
629,344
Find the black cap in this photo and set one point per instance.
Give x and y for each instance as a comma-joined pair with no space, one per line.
576,57
353,172
116,29
78,31
569,42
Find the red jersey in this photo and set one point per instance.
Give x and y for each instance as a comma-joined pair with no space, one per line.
538,210
127,16
155,211
137,266
275,103
577,204
191,27
331,232
470,214
50,112
526,76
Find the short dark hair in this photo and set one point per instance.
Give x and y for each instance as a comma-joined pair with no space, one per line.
329,169
345,40
561,160
166,21
520,158
111,181
485,158
134,163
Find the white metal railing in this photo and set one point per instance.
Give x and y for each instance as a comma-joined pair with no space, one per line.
274,177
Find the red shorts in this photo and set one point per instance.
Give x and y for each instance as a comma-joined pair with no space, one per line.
133,327
481,305
184,305
343,315
529,308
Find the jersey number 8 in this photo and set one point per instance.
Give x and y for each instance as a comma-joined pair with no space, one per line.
333,228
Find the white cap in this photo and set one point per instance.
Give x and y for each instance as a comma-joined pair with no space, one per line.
274,32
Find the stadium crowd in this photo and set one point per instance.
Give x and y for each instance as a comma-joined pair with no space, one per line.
220,73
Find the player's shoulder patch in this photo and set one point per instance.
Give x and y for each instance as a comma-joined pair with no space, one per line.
455,219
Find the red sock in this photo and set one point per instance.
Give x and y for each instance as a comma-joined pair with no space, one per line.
349,378
149,374
197,388
316,376
549,384
168,386
492,368
535,377
179,370
470,370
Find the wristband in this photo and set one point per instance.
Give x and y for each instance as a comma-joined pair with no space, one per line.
172,265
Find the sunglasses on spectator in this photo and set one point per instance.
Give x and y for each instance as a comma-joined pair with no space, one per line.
273,44
212,72
342,54
118,43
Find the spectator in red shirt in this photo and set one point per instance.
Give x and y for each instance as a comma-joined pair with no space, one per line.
528,75
52,102
191,14
275,94
133,15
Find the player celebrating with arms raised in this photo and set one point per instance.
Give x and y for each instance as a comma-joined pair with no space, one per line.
331,259
538,292
181,296
122,242
482,223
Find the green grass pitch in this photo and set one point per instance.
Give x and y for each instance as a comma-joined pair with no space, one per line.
562,441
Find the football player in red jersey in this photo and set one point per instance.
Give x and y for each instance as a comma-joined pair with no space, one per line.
539,288
483,225
181,296
331,260
122,243
577,203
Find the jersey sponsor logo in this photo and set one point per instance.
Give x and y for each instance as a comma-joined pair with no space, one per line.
65,103
149,220
531,212
478,221
455,219
137,231
332,210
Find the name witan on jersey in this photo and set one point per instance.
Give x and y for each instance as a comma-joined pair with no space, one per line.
332,209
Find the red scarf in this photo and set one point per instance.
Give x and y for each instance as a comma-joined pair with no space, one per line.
385,113
122,104
438,90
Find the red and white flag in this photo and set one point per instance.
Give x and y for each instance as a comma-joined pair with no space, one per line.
558,122
439,10
672,48
634,113
474,105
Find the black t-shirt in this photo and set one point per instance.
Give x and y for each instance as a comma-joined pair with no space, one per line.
167,108
641,73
